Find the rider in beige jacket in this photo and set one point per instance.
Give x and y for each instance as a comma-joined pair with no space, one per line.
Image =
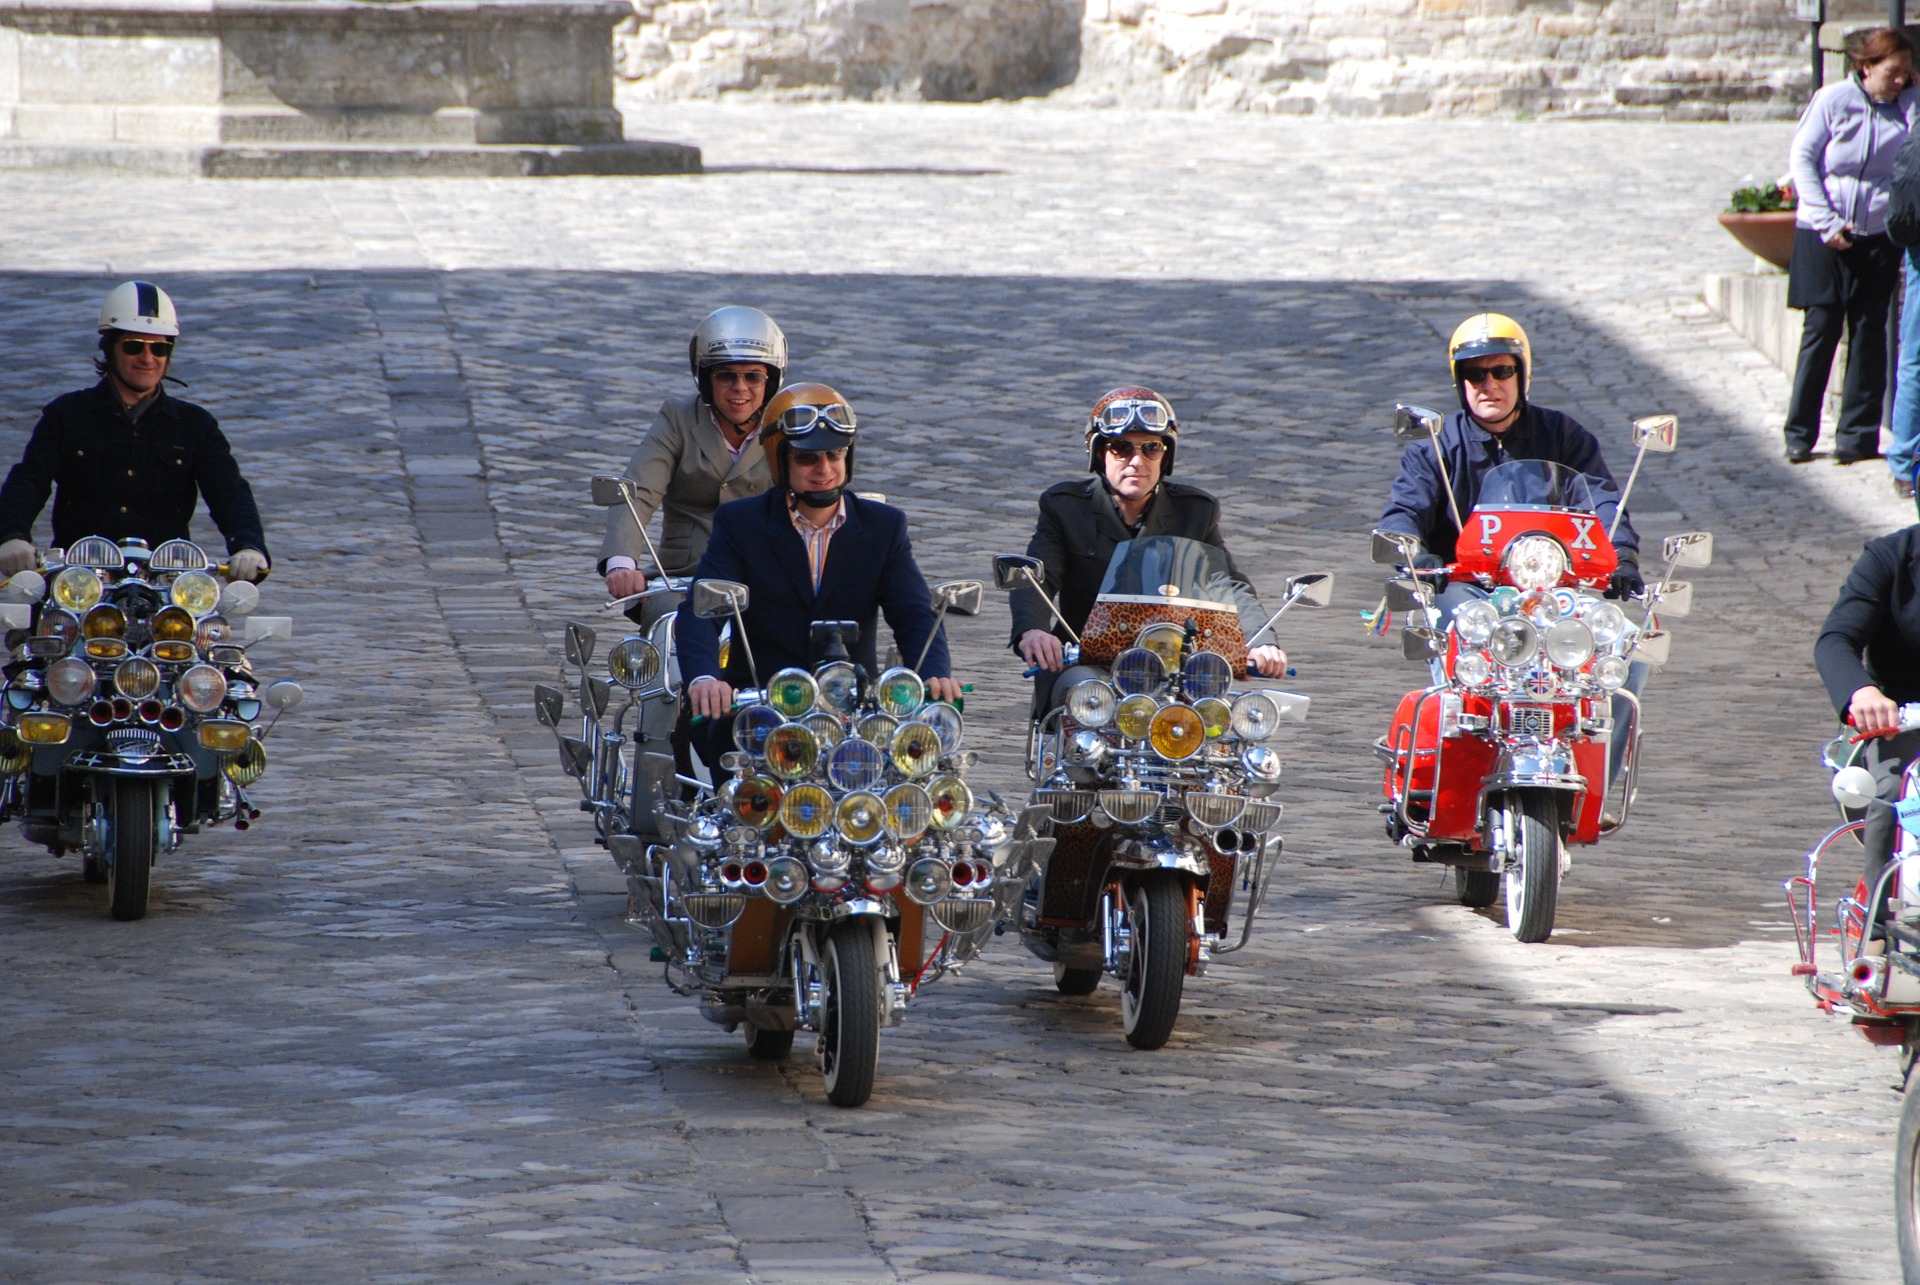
698,454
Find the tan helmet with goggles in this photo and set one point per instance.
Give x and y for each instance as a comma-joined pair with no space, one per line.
1490,334
1130,409
805,417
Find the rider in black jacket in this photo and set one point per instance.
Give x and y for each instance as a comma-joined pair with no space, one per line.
124,459
1869,658
1131,436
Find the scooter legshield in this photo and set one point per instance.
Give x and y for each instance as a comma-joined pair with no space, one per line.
1452,811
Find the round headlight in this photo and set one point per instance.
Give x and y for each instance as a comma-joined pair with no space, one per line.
855,765
791,751
1608,622
946,722
1610,671
633,663
1536,562
136,679
916,749
839,685
72,681
1216,716
1569,644
900,692
195,592
214,631
1176,732
786,880
1139,671
909,812
77,588
1207,673
63,625
752,725
1134,714
792,692
201,688
104,621
1256,717
878,729
860,817
1474,621
826,727
928,880
1164,639
806,811
952,800
1514,641
1091,703
756,801
1472,668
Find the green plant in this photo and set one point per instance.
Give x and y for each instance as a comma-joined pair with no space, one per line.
1766,199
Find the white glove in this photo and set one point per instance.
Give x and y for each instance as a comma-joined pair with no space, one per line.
247,564
16,555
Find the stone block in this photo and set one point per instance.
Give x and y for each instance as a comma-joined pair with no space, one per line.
77,67
62,123
168,125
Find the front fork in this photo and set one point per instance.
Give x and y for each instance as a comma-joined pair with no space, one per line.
1116,933
809,978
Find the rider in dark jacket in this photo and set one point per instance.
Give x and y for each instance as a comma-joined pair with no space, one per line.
124,459
1492,367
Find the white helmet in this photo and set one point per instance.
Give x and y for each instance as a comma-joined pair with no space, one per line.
737,334
140,307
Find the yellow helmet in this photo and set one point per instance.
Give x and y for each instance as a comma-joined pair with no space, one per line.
805,417
1490,334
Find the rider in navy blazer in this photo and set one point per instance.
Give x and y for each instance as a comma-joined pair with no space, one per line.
869,570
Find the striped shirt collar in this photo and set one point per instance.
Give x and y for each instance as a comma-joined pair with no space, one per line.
816,538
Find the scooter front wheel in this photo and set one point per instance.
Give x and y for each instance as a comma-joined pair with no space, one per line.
136,807
1156,959
1533,866
850,1026
1906,1187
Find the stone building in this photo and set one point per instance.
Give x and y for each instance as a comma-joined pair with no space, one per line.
1676,59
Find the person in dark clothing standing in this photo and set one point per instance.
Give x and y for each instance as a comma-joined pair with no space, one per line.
1868,655
123,459
1131,436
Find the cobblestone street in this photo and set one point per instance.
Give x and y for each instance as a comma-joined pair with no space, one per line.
400,1031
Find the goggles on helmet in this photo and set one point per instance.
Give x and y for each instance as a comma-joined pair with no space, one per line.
1132,414
799,420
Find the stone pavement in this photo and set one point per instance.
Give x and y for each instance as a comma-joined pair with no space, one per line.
399,1030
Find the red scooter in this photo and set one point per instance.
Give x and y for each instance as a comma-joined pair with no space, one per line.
1523,745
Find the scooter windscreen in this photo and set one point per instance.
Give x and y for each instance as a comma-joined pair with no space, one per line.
1168,568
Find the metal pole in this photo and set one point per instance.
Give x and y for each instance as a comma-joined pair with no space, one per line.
1896,14
1819,65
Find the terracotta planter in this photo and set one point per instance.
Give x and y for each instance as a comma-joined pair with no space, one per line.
1768,235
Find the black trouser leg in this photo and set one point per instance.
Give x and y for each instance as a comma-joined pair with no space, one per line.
1819,337
1857,434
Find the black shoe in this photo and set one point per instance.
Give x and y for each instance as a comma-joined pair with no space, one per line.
1799,454
1844,460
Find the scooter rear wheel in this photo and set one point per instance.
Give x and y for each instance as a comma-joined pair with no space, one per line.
1906,1187
1477,889
765,1045
1075,981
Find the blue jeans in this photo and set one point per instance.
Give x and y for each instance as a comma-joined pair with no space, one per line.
1901,455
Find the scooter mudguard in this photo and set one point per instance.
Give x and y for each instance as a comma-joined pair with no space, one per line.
1452,812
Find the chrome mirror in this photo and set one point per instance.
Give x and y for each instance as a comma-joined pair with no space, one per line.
715,599
1010,571
1415,423
1310,588
1854,788
1654,646
1656,433
575,757
1838,752
609,491
1393,547
594,695
26,586
959,597
549,702
1676,598
629,852
1690,549
282,694
1404,593
1293,706
239,599
1420,643
580,642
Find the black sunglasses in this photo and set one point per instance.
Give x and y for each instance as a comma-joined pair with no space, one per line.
807,459
1481,376
1125,450
134,347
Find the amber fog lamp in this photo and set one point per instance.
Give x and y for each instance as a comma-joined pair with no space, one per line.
106,648
806,811
1176,732
13,755
756,802
1163,640
633,663
42,728
195,592
952,800
916,749
909,812
1216,716
173,625
104,621
878,729
224,735
246,767
77,588
1134,714
791,751
860,817
175,653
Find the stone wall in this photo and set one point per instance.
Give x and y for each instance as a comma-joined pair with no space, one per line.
1675,59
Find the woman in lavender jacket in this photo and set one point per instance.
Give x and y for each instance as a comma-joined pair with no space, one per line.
1844,265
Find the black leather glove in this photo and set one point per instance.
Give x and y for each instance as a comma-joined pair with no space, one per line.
1424,561
1627,581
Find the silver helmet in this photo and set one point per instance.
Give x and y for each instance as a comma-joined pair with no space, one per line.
737,334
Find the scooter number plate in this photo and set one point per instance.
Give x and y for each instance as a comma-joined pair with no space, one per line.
1530,720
